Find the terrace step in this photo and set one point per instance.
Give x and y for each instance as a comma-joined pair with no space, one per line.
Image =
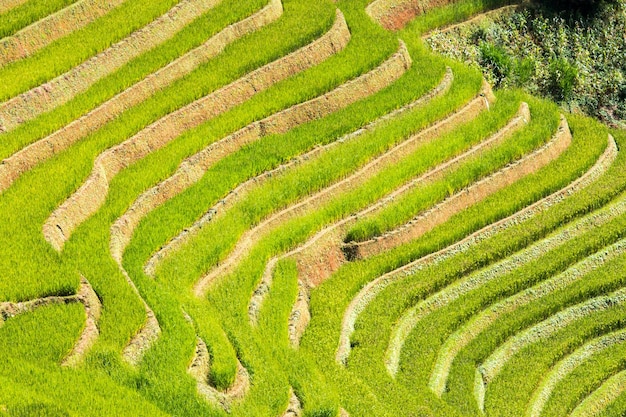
199,369
42,33
359,88
193,168
32,155
243,189
60,90
92,194
376,286
461,200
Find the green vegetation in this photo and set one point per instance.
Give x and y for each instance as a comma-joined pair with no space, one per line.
34,343
552,50
27,13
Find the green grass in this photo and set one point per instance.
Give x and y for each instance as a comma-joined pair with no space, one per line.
192,36
27,13
71,50
34,343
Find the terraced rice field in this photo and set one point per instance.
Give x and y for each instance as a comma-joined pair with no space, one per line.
295,208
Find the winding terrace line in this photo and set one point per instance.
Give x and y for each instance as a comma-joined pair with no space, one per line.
63,88
242,189
6,5
566,366
602,397
321,255
27,158
492,366
92,194
42,33
481,321
395,14
86,296
147,334
193,168
350,92
374,287
199,369
479,191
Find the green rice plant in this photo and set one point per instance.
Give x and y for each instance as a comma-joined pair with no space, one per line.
137,69
160,384
388,306
60,56
15,19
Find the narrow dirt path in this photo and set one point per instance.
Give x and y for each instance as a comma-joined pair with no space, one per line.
27,158
243,189
374,287
42,33
63,88
92,194
199,369
252,236
193,168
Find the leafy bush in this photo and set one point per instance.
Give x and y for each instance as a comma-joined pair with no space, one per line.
568,56
563,78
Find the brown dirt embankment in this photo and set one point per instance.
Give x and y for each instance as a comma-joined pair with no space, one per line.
93,193
63,88
348,93
27,158
200,368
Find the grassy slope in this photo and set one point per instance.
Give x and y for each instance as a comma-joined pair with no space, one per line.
161,385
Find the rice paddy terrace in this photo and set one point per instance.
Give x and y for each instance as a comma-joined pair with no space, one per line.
295,208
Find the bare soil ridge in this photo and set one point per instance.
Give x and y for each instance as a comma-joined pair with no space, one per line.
42,33
27,158
193,168
63,88
373,288
294,408
147,334
199,369
92,194
460,201
242,189
93,308
354,90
